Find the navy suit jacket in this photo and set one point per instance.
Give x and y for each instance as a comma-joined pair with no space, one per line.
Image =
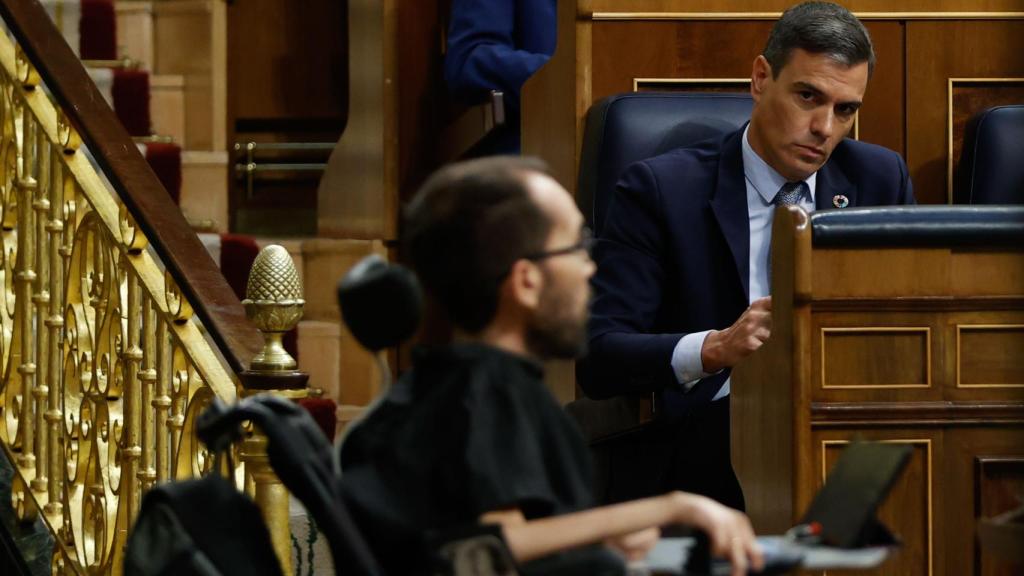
673,258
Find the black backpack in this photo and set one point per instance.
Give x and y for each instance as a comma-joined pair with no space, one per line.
181,531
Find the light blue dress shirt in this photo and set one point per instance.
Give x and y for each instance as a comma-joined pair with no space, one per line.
763,183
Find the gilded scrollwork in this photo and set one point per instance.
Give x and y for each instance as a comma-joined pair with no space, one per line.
177,304
104,370
67,136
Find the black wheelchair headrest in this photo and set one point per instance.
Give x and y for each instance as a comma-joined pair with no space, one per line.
381,303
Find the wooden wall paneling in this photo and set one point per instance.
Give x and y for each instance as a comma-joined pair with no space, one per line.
555,100
772,7
872,356
689,50
989,356
881,118
914,505
876,355
358,194
289,60
984,475
691,84
843,273
969,49
288,83
986,354
988,273
422,93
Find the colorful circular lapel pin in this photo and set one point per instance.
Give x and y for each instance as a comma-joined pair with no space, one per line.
840,201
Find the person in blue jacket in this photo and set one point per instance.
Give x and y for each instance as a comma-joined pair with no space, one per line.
498,45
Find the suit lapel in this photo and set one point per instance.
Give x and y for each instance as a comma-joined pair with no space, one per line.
729,205
832,183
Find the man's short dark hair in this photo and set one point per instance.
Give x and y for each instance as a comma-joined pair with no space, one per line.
466,227
819,28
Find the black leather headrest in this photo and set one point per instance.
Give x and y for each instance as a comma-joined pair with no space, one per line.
991,167
920,226
625,128
381,303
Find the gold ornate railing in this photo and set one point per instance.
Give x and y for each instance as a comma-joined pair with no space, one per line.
104,369
104,366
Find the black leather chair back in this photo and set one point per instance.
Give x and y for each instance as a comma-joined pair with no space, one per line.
992,160
625,128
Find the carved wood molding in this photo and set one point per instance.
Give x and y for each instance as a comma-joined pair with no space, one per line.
934,304
835,414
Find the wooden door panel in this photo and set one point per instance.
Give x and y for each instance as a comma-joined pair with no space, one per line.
984,476
988,50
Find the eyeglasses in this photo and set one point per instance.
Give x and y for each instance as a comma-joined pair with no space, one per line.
585,244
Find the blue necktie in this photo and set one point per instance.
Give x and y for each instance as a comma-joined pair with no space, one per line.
791,194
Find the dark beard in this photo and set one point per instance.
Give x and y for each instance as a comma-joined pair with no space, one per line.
553,333
562,341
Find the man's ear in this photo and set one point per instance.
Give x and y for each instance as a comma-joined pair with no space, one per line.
524,283
760,76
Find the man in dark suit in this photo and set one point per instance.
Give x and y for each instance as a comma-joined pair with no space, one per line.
682,287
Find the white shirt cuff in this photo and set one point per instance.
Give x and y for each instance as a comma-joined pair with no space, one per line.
686,362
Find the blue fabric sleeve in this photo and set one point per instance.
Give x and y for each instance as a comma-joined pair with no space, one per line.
484,52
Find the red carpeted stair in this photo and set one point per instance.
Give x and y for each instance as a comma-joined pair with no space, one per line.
97,30
165,160
130,93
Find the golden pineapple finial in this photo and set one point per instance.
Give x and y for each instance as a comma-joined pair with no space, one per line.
273,301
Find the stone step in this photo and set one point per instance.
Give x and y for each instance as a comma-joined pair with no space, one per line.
204,182
167,105
135,31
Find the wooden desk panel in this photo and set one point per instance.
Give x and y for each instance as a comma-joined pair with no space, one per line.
982,476
880,355
885,344
987,355
877,356
976,273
